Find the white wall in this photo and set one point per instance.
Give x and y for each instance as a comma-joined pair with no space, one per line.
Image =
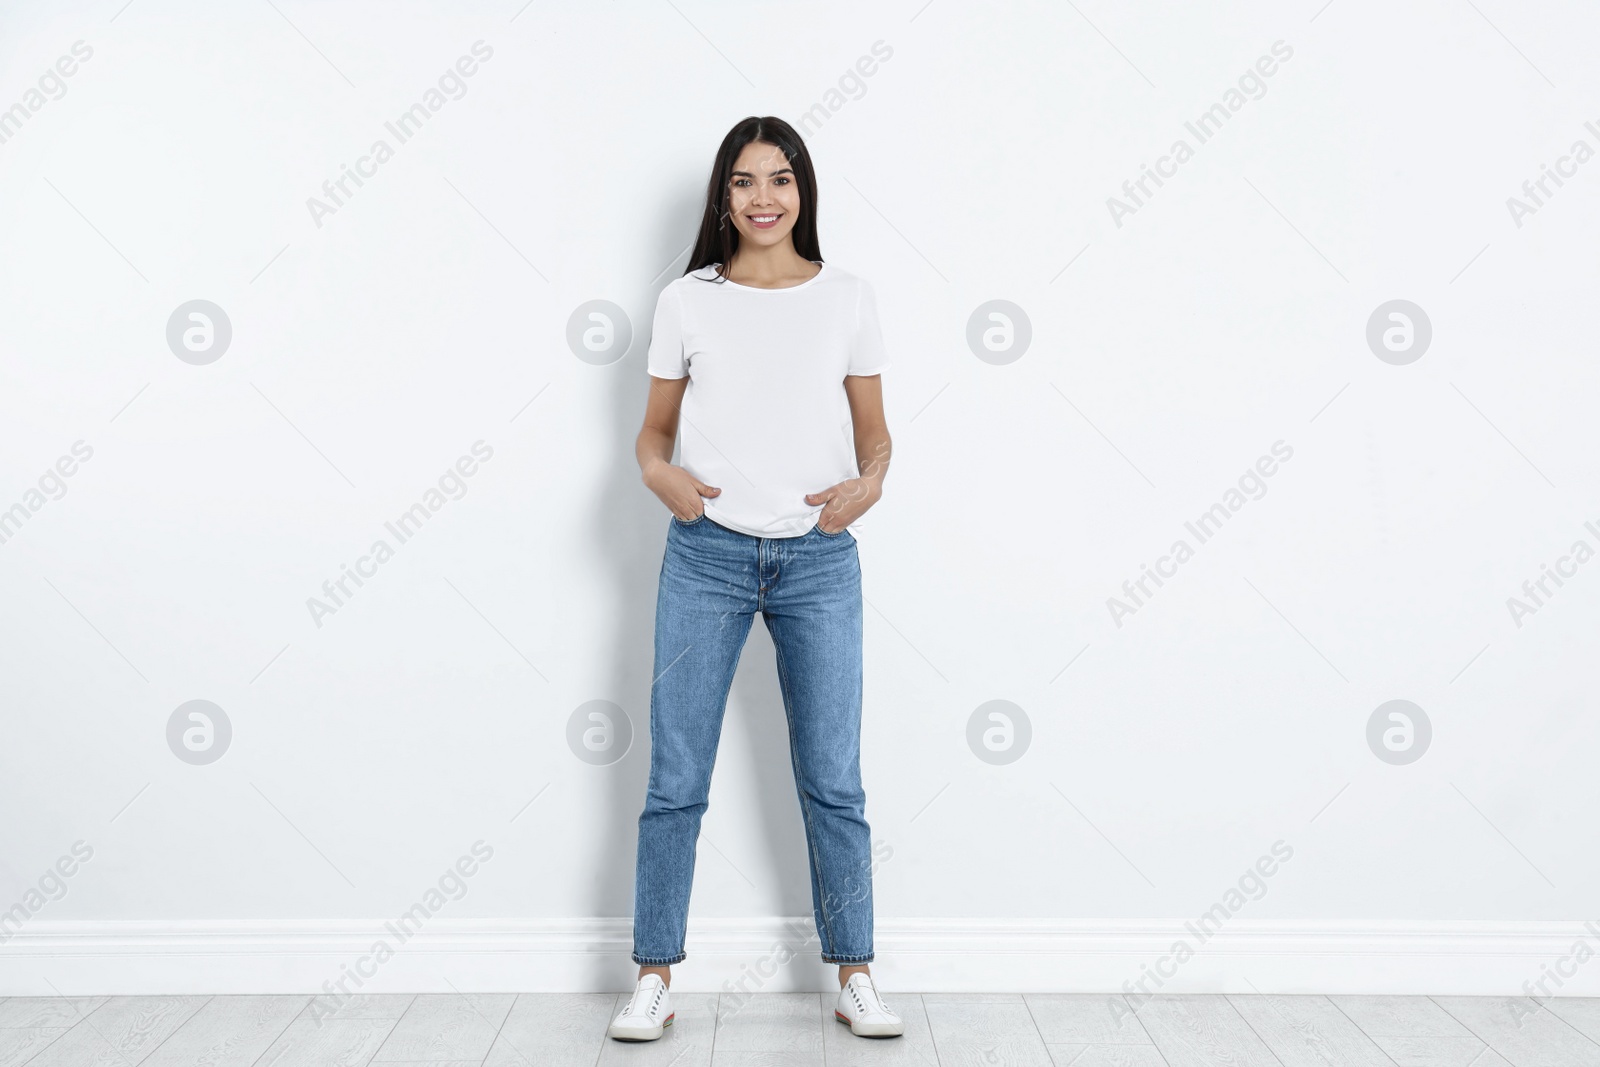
1170,349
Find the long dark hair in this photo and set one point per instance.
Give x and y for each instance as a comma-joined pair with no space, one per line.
718,240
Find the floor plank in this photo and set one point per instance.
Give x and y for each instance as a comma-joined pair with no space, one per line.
230,1031
1522,1031
121,1031
332,1043
47,1011
752,1027
1308,1031
1396,1016
1106,1056
556,1028
18,1045
447,1026
1086,1019
984,1029
1580,1013
1440,1052
360,1006
1194,1030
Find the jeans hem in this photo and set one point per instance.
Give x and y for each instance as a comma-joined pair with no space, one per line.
659,961
867,958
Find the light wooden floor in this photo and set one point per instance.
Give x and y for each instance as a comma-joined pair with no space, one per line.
784,1029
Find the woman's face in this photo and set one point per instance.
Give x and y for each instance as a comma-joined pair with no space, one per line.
763,197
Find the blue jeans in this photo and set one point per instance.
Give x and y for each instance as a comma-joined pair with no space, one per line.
808,591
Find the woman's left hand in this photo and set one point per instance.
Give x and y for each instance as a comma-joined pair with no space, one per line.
844,503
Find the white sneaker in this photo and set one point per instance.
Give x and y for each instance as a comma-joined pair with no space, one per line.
861,1007
648,1012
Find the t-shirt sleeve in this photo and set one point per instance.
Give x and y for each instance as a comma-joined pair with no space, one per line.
665,359
867,353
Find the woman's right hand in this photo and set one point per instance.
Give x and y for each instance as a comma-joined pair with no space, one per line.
679,490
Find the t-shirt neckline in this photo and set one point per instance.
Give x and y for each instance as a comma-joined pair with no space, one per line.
823,267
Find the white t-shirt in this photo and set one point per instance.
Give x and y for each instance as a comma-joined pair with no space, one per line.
765,417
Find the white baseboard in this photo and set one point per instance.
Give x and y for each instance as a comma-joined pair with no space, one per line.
1484,958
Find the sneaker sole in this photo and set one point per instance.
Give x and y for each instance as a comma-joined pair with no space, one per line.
869,1029
646,1035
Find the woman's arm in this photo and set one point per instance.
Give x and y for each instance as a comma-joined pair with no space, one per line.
871,428
674,486
847,501
660,429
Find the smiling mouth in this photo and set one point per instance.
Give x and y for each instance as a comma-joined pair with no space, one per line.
764,220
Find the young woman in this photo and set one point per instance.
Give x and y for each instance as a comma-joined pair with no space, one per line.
773,358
